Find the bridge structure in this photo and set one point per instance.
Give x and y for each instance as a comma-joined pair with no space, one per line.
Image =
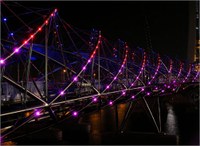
49,67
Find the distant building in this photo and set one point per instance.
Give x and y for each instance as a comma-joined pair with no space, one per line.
193,35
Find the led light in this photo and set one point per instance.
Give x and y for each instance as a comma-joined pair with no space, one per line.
25,42
148,93
4,19
16,50
89,60
75,114
39,29
107,87
163,91
75,79
94,99
115,78
142,89
133,96
62,93
37,113
123,93
11,34
110,103
84,68
2,61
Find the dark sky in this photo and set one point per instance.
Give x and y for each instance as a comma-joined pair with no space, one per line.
168,21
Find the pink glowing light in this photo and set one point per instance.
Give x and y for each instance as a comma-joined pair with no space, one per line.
142,89
115,78
107,87
163,91
37,113
110,103
75,114
16,50
84,68
89,60
62,93
2,61
148,93
94,99
75,79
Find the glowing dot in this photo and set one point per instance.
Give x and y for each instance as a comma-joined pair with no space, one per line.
11,34
46,21
4,19
123,93
84,68
148,93
142,89
39,29
156,88
75,79
32,36
149,83
163,91
133,96
95,99
62,93
110,103
16,50
37,113
64,70
2,61
25,42
168,86
115,78
89,60
132,84
107,87
55,10
75,114
119,70
137,78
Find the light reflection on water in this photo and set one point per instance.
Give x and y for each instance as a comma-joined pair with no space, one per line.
171,126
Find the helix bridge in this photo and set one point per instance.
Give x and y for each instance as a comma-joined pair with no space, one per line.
52,69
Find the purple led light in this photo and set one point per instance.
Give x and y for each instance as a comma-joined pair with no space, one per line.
110,103
16,50
142,89
132,84
62,93
2,61
133,96
84,68
75,79
156,88
11,34
115,78
148,93
89,60
149,83
75,114
120,70
95,99
137,78
37,113
107,87
4,19
168,86
163,91
123,93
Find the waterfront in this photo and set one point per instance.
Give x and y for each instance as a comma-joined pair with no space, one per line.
180,126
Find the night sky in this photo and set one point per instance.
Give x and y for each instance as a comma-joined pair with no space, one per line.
168,21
